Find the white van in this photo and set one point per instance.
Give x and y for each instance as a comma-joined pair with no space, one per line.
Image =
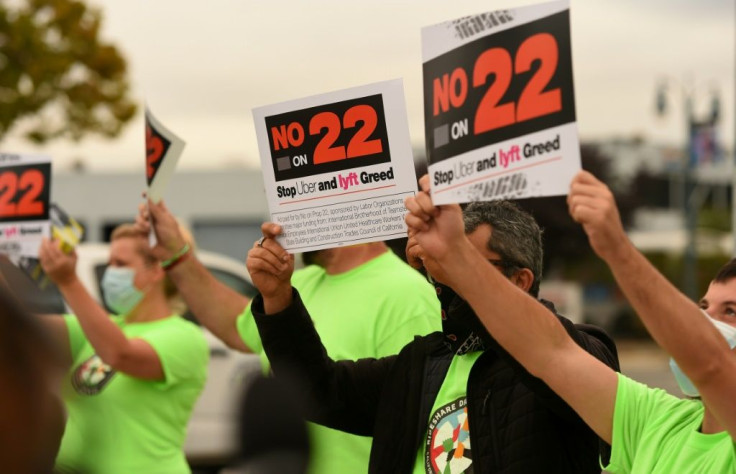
211,434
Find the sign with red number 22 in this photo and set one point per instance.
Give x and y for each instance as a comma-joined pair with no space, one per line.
25,187
499,107
163,149
337,166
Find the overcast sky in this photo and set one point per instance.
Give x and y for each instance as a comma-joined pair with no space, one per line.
203,65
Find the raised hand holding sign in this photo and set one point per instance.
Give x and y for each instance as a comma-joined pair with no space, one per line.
163,150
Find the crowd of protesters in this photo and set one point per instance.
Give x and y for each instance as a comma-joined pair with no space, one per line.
457,367
522,382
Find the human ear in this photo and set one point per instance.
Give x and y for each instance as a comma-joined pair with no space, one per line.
523,278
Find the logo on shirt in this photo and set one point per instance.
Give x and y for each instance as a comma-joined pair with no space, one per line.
92,376
448,440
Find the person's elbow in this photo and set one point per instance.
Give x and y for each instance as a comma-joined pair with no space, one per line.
560,348
234,341
718,366
118,359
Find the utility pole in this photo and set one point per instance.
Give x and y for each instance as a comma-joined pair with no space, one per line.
691,202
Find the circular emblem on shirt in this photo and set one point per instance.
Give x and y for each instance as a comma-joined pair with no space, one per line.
448,440
91,376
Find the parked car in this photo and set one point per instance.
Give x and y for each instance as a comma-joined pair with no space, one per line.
211,432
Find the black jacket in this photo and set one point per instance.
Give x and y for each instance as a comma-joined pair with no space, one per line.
517,424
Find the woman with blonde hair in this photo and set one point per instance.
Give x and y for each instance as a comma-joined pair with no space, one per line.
135,375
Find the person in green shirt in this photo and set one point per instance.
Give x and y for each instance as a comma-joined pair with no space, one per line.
365,301
136,375
649,430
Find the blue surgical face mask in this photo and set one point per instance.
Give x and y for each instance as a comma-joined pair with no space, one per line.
118,289
687,387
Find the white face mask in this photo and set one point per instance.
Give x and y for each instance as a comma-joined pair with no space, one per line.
118,289
687,387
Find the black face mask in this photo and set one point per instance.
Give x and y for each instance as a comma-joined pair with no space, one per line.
310,258
462,329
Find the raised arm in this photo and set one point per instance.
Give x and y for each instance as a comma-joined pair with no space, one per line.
132,356
341,394
672,319
215,305
525,328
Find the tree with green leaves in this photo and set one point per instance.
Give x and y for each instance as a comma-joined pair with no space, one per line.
58,78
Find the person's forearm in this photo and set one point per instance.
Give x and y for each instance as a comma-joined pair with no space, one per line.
526,329
668,314
215,305
342,395
104,335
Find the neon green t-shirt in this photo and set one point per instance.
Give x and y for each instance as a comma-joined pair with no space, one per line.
447,449
373,310
118,424
657,433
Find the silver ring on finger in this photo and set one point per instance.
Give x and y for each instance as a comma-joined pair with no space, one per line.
261,240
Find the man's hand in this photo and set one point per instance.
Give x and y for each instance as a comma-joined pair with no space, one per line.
270,266
591,204
414,253
437,233
169,239
60,267
436,229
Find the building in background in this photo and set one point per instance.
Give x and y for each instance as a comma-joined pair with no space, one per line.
224,209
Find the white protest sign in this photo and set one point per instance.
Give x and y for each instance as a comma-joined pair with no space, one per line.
163,149
25,187
499,108
337,166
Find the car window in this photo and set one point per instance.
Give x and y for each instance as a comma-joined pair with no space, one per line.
231,280
235,282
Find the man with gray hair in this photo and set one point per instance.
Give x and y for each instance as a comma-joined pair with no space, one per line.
516,236
417,405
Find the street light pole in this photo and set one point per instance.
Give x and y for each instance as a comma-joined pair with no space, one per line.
690,259
690,201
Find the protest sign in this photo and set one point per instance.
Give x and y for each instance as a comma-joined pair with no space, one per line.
25,185
499,106
337,166
163,150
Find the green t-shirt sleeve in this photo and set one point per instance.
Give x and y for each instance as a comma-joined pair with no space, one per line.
182,350
635,406
249,334
76,335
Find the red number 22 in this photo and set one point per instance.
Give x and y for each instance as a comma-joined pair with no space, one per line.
533,102
32,182
359,145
